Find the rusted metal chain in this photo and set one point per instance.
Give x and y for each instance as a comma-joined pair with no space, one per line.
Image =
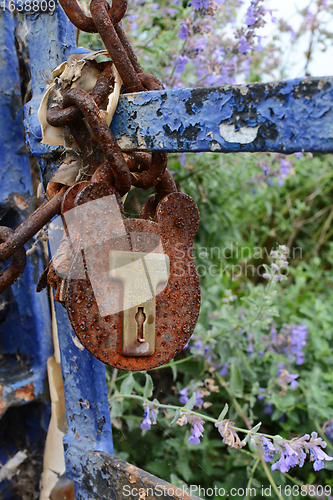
58,117
31,226
164,187
114,46
128,47
151,177
85,23
10,275
103,135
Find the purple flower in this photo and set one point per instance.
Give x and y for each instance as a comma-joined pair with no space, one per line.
328,428
196,4
259,47
224,370
268,408
146,422
292,380
181,63
243,47
182,157
250,17
268,449
200,45
183,32
184,396
298,341
285,167
153,415
281,464
132,20
273,18
261,397
197,430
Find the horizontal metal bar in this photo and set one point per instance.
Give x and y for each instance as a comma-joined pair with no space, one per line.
285,117
111,478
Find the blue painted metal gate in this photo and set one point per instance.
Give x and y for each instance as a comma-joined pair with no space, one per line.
283,117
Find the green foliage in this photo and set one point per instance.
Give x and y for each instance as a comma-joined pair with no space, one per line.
242,219
245,214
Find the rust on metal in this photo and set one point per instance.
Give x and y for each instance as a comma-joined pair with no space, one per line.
25,393
114,46
119,479
15,397
86,23
150,82
2,403
10,275
166,185
103,135
58,117
22,234
154,174
128,47
177,306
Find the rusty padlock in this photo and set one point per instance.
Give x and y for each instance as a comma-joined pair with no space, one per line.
132,290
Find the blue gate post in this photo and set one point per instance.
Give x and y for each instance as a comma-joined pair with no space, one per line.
283,117
25,331
51,39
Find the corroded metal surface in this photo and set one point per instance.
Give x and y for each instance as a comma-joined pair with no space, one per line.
177,306
284,117
85,23
58,117
10,275
31,226
111,478
114,46
96,121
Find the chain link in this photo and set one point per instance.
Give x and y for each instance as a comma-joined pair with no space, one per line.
97,144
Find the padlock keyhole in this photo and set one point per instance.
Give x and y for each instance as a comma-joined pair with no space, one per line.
140,318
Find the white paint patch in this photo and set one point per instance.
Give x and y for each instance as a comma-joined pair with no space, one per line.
125,143
77,343
215,147
244,135
141,140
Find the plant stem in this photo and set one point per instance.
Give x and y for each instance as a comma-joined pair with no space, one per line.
270,478
167,365
251,478
260,456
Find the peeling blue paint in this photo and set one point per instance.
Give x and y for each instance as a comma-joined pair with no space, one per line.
292,116
25,322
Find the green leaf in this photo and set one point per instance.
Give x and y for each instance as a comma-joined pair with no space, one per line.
127,384
236,381
149,387
117,409
191,402
256,427
174,370
223,412
176,417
